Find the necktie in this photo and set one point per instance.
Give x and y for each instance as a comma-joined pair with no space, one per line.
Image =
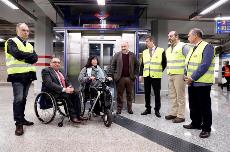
61,78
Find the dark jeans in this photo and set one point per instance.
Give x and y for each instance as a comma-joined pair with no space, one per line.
73,103
200,107
156,85
20,91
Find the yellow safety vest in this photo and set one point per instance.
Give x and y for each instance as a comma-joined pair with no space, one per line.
193,60
175,59
18,66
153,66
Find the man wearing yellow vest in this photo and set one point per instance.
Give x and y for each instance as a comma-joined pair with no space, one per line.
175,55
20,56
199,76
153,63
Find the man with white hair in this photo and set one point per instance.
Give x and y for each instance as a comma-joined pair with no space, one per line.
20,57
124,68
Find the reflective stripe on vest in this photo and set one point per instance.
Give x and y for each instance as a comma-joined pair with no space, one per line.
175,59
152,66
18,66
193,60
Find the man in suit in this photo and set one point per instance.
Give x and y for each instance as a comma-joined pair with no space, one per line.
125,68
56,83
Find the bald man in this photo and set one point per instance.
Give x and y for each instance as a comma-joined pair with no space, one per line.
20,57
125,68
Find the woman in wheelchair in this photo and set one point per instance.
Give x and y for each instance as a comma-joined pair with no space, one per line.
92,79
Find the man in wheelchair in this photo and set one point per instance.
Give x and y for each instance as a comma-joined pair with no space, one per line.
56,83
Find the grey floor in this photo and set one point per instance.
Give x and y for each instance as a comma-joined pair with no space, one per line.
94,136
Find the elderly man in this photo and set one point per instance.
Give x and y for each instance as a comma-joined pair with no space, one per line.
176,54
199,75
125,68
56,83
20,57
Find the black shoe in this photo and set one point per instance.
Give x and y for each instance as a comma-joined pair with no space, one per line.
75,120
130,111
146,112
170,117
27,123
190,126
204,134
157,113
19,130
178,120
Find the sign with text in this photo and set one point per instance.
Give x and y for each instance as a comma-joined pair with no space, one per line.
223,26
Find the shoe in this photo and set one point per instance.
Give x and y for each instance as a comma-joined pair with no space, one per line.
170,117
204,134
19,130
146,112
118,112
130,111
190,126
75,120
157,113
178,120
27,123
83,118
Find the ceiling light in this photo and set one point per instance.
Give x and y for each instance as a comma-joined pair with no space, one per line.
213,6
10,4
101,2
222,18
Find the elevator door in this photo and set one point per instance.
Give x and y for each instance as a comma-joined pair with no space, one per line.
103,50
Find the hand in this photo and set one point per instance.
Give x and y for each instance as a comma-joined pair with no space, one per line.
141,79
92,78
69,90
188,80
110,78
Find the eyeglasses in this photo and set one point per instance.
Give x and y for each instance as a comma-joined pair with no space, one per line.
56,62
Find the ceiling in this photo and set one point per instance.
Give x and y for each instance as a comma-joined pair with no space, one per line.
126,13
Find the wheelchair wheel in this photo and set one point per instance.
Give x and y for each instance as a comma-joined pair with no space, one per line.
45,107
107,118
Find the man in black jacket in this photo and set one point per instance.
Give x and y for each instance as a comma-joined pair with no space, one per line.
19,59
56,83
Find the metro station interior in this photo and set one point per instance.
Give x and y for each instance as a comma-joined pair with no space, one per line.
73,30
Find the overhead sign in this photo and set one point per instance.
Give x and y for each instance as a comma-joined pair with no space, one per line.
223,26
100,25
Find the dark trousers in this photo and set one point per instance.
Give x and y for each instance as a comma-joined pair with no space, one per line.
227,83
20,91
200,107
73,104
156,85
124,83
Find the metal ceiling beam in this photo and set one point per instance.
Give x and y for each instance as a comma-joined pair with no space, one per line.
107,4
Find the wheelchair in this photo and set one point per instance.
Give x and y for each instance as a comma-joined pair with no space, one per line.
100,97
46,107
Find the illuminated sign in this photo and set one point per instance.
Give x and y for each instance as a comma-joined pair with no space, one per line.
223,26
100,26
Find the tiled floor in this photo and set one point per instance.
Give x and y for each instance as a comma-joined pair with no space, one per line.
94,136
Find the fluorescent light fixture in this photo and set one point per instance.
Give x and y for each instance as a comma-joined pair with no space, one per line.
222,18
213,6
8,3
101,2
2,40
